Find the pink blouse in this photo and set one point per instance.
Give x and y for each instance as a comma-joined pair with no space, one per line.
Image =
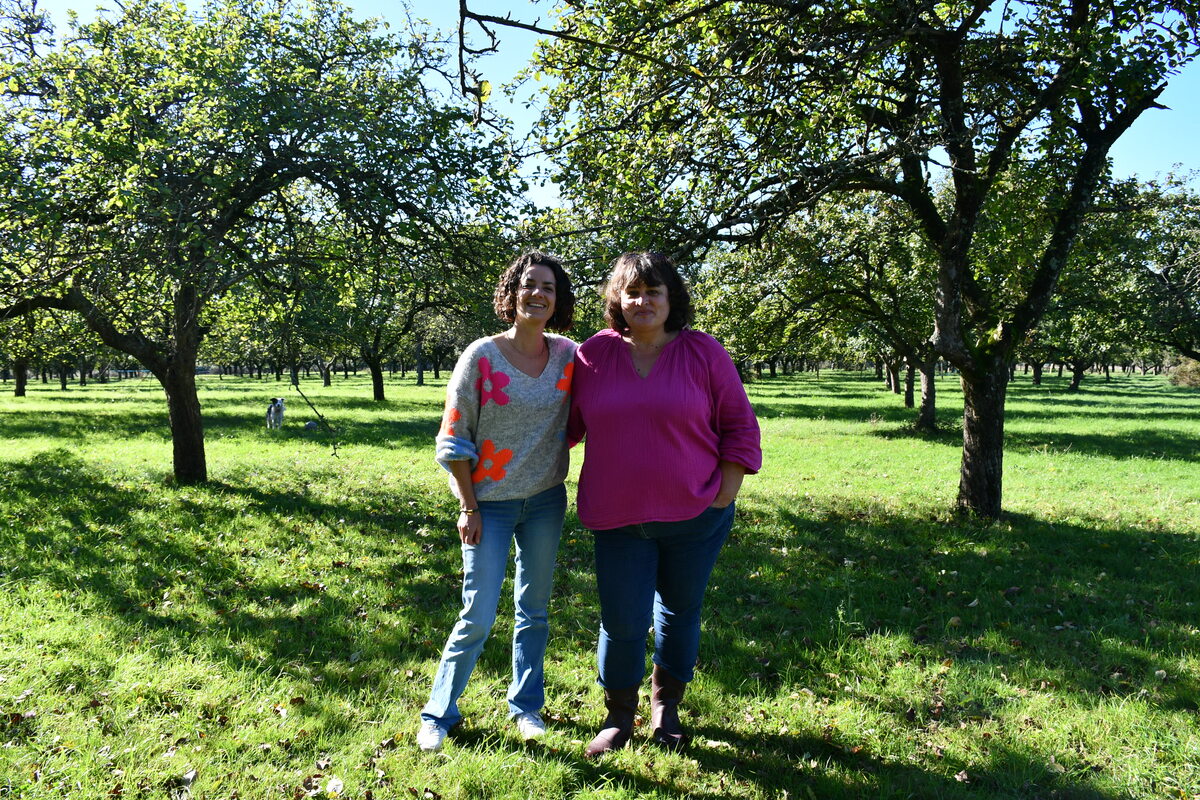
653,445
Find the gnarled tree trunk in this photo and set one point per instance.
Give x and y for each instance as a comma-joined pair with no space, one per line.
187,427
927,415
980,484
1077,370
20,377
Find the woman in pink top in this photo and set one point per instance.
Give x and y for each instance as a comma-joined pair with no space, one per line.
669,436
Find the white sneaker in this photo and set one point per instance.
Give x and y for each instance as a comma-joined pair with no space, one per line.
430,736
530,725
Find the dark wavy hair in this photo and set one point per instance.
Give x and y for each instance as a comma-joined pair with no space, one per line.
510,282
647,269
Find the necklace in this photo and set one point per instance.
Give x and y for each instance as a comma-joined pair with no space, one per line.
644,355
636,345
512,346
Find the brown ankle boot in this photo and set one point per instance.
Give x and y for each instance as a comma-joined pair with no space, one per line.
665,695
618,725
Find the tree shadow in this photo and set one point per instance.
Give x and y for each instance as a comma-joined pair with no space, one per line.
1097,609
1054,606
1057,389
1143,443
1027,412
234,613
127,420
837,413
133,421
391,434
1092,610
799,766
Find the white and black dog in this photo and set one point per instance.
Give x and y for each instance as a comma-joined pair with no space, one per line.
275,413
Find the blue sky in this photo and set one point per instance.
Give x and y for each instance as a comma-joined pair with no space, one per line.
1157,142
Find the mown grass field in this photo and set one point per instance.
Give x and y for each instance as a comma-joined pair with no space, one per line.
276,631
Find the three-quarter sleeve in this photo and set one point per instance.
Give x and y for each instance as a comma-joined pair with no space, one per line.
733,417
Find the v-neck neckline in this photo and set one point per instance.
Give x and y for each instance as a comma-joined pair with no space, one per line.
653,367
546,366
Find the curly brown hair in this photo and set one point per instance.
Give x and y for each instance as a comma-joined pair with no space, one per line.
647,269
505,301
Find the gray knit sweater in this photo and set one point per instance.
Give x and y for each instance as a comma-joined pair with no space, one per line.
511,426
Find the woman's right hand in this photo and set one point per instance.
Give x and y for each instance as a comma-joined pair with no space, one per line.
470,527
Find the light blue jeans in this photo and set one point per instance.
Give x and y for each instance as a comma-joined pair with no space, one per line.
535,523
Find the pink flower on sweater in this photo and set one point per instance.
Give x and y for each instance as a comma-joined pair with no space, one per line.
490,384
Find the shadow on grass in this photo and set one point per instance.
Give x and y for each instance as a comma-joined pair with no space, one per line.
82,426
837,413
797,766
1150,443
1098,611
1098,616
1086,611
388,434
1089,611
130,569
1135,387
1146,443
130,422
862,386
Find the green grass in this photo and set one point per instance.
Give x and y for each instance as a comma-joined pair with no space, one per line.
284,621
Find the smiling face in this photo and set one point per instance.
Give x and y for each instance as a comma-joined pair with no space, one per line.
535,295
645,308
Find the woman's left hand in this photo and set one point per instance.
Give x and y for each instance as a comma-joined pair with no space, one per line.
731,483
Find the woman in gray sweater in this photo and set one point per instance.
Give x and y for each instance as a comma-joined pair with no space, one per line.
503,442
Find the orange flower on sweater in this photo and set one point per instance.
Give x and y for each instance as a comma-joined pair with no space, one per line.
452,416
564,383
495,461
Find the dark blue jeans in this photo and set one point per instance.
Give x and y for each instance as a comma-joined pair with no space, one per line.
655,572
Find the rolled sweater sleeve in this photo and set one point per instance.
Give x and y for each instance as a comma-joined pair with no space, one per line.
460,419
733,416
